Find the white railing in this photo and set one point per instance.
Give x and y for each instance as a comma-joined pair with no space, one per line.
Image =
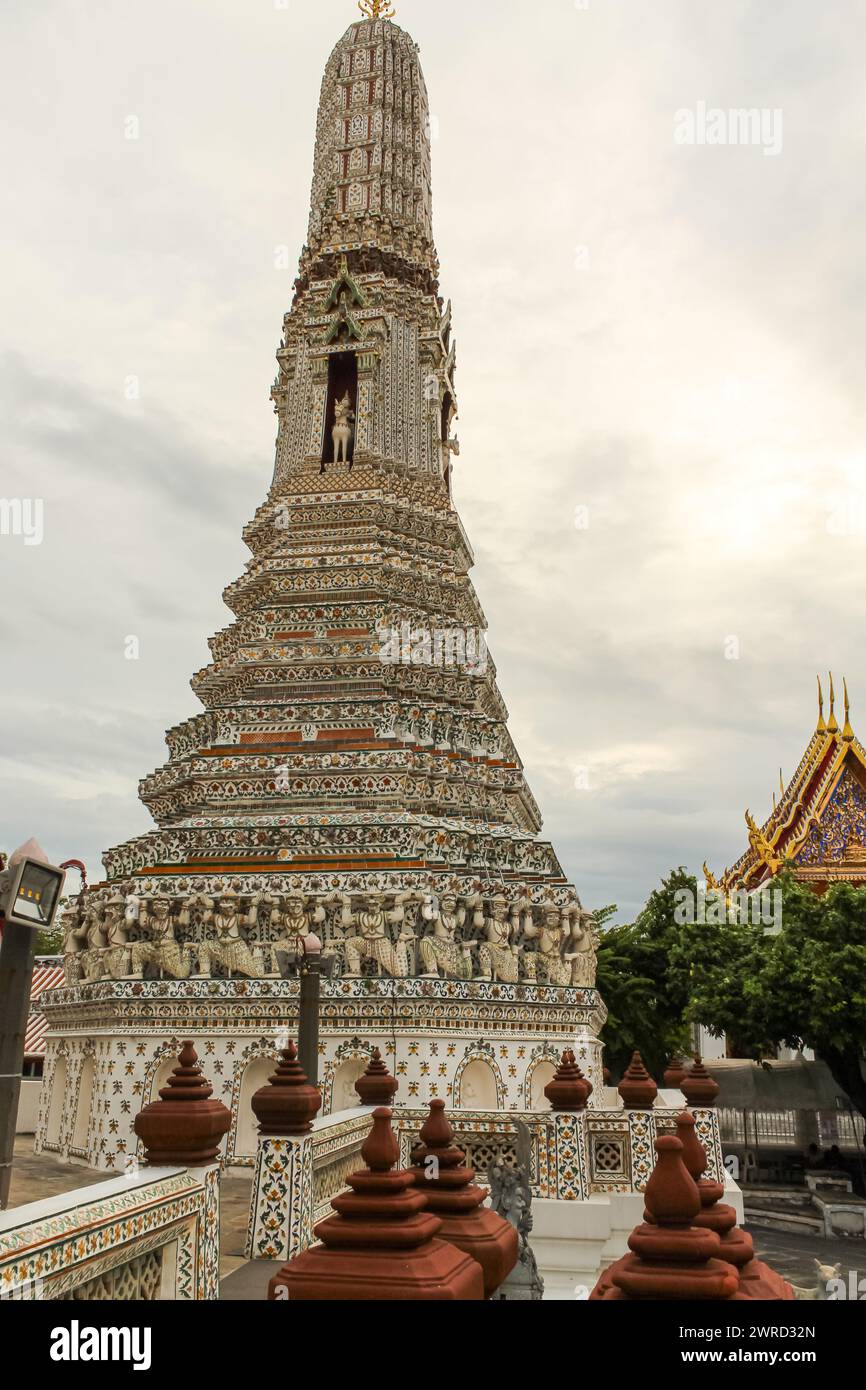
571,1157
151,1236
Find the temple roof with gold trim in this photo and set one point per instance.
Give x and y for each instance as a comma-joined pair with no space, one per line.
818,827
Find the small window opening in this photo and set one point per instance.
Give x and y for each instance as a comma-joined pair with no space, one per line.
342,383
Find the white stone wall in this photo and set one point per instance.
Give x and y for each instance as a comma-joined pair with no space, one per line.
492,1051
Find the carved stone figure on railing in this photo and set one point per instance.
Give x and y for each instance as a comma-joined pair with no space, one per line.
74,941
498,956
222,941
372,938
584,950
442,951
153,915
295,918
117,958
511,1198
548,964
91,963
94,923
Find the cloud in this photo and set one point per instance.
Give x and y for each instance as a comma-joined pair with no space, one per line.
667,338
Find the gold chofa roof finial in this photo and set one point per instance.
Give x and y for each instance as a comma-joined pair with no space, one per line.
847,732
832,722
377,9
822,723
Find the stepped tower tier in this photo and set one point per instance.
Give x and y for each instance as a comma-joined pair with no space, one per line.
352,772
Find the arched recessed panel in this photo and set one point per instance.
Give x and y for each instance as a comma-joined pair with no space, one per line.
343,1093
255,1076
85,1099
58,1098
541,1077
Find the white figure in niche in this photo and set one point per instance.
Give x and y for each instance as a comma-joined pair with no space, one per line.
344,430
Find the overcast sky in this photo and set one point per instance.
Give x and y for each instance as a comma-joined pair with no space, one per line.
661,373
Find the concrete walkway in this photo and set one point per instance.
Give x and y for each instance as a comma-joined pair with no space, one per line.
37,1176
794,1256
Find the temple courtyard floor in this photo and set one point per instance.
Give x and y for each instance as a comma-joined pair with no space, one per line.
37,1176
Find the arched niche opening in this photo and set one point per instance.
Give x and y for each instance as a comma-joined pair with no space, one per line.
342,381
478,1087
256,1075
58,1098
85,1099
541,1077
343,1093
161,1078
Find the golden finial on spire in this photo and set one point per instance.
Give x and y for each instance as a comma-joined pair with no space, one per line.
832,722
781,781
847,732
822,723
377,9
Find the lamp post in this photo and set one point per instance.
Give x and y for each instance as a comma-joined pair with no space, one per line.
29,896
311,967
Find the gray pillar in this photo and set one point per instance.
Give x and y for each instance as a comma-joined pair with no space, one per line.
308,1026
16,974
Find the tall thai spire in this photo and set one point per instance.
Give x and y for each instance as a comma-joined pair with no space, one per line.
822,723
353,730
351,776
832,722
847,732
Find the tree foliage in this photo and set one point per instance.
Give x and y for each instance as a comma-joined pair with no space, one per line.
804,987
646,996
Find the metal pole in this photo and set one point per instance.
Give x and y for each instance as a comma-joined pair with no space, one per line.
308,1025
854,1119
16,975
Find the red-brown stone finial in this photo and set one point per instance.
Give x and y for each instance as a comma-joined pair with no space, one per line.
698,1086
436,1132
671,1257
381,1243
676,1070
569,1089
453,1196
185,1126
377,1086
637,1088
287,1104
380,1150
757,1280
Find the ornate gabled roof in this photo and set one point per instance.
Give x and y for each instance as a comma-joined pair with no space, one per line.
818,828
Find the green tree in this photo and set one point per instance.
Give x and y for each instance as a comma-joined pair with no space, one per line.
646,994
804,987
50,943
